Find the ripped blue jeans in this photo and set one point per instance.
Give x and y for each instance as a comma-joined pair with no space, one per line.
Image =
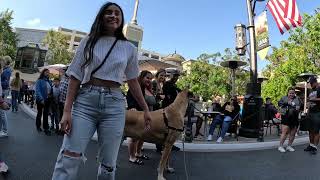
95,108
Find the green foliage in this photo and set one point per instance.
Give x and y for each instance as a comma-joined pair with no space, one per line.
58,48
124,88
299,54
7,37
207,78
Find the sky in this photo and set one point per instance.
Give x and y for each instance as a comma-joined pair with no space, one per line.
188,27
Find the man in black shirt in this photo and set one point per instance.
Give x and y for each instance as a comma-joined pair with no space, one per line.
170,89
314,115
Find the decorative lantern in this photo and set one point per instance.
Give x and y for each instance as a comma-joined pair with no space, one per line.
241,39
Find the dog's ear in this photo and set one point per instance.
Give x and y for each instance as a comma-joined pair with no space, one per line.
190,94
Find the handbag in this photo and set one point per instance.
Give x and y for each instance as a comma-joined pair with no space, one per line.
105,58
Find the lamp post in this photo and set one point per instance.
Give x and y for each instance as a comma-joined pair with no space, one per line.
252,108
233,65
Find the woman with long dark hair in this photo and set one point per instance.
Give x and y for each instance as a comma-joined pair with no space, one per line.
43,93
135,146
290,106
101,61
15,85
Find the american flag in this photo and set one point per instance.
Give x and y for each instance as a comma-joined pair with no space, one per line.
286,14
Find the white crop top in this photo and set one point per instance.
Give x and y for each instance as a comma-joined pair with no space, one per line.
122,63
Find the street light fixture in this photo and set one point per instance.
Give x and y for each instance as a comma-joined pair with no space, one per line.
241,39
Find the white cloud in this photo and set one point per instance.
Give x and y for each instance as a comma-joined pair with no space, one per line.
33,22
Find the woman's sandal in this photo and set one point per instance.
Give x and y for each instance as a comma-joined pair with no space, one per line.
137,161
143,156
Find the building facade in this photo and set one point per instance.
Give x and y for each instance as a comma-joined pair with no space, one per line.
31,51
74,37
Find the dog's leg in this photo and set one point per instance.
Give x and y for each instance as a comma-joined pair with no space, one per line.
164,159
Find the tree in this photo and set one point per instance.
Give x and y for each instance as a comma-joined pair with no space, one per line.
8,38
207,78
299,54
58,48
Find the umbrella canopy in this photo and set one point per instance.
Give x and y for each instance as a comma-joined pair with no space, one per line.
300,85
54,69
153,65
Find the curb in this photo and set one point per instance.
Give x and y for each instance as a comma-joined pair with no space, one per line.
195,147
25,108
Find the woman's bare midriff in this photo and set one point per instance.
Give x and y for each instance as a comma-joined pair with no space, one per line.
103,83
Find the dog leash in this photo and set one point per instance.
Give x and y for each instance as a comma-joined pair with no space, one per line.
184,157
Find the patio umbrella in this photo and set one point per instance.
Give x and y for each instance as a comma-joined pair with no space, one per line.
153,65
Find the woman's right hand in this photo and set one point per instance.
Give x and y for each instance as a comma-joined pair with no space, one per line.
66,123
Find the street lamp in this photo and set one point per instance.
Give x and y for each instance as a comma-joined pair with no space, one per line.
252,107
241,39
233,65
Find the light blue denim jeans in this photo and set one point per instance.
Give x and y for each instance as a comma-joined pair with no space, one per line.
3,121
94,109
3,114
225,121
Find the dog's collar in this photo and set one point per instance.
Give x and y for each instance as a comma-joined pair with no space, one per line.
165,119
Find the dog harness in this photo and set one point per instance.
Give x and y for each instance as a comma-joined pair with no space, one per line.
165,119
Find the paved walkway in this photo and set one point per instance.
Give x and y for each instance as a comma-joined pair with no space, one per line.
31,156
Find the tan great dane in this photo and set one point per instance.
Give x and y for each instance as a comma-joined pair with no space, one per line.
166,127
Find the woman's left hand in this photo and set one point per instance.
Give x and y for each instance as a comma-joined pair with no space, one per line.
147,120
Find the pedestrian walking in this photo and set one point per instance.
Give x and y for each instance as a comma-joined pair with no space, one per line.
289,107
15,85
100,64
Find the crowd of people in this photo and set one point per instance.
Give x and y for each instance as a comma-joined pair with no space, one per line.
50,96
